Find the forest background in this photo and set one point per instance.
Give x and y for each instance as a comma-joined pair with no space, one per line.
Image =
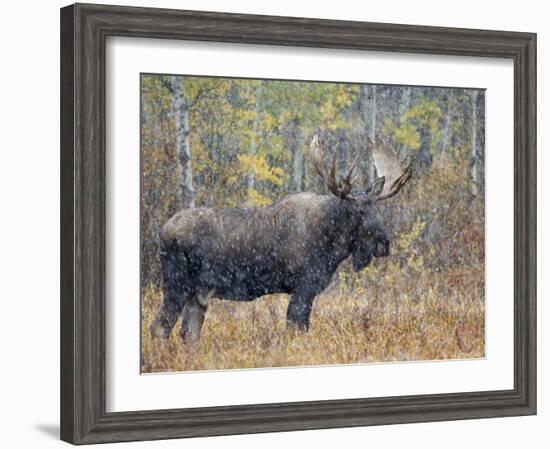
221,142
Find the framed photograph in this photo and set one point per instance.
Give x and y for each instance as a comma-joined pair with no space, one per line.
274,223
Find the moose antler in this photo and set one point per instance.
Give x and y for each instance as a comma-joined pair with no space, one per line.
398,184
341,189
389,165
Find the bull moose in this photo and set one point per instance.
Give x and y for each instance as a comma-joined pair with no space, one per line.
292,247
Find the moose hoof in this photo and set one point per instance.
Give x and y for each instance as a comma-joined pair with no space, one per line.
159,329
189,336
294,326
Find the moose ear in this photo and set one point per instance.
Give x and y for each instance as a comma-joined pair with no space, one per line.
376,187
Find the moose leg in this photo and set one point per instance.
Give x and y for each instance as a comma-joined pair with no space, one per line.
169,312
177,289
299,309
193,316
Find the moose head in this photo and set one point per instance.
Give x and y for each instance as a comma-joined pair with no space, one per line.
368,237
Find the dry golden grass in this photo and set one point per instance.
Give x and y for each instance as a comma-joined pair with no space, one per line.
381,314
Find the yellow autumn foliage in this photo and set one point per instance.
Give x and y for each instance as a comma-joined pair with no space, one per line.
256,199
406,132
262,171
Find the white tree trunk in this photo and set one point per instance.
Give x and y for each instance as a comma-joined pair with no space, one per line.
473,149
373,114
405,101
298,158
186,192
368,121
252,147
446,133
403,108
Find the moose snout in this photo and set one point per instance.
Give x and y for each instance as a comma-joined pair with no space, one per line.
382,248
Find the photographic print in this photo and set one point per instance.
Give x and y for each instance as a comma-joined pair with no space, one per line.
302,223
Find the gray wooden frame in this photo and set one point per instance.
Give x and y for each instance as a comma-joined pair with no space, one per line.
84,29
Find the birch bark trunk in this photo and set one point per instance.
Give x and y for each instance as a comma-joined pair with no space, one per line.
473,146
297,159
180,110
368,116
446,133
250,181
